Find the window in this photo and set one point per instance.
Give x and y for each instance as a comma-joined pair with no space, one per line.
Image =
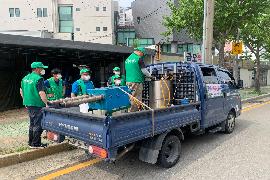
209,75
97,28
97,8
65,19
42,12
78,9
17,12
105,28
39,12
166,48
78,29
11,12
192,48
45,14
226,78
104,8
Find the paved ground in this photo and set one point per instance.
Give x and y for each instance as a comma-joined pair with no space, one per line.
245,154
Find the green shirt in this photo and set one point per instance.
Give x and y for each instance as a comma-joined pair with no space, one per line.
123,80
133,71
55,89
31,95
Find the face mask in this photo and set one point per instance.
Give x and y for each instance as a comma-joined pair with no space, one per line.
117,73
42,72
59,76
117,82
86,78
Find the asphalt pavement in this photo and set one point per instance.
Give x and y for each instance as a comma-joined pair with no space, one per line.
244,154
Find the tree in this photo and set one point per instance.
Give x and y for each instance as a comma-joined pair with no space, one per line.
228,17
256,36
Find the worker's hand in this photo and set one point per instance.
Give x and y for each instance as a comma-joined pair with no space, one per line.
50,95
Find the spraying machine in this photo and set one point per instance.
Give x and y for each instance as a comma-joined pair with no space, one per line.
174,85
109,99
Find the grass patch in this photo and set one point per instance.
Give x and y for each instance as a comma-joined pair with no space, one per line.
14,150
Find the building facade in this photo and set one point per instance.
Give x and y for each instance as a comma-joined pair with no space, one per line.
125,17
148,21
90,21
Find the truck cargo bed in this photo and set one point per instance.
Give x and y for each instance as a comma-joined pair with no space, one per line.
116,131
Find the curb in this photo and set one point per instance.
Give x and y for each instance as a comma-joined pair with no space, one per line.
256,98
16,158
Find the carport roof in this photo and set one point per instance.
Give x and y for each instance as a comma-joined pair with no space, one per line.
27,41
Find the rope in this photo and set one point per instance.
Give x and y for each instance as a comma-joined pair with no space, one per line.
140,102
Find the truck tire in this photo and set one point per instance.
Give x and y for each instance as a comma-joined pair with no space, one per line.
230,123
170,152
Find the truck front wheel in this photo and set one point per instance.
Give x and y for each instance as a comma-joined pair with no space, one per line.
170,151
230,123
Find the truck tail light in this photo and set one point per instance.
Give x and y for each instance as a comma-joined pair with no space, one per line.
102,153
55,137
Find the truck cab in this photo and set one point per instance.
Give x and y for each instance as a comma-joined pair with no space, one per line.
221,96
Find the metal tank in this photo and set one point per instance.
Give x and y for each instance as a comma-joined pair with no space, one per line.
160,93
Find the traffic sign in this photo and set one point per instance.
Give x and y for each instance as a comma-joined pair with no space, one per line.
237,48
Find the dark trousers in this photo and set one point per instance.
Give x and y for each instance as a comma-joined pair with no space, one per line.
35,130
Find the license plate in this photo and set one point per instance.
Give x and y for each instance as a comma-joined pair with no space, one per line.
77,143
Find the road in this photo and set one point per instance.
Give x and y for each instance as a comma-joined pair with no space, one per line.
244,154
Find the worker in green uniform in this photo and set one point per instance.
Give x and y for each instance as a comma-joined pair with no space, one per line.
55,88
117,81
135,74
117,72
34,98
81,86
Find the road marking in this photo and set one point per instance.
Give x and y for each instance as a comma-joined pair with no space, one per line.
70,169
255,106
94,161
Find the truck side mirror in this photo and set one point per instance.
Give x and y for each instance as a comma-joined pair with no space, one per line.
240,84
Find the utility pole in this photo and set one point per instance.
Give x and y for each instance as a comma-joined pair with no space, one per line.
236,61
208,31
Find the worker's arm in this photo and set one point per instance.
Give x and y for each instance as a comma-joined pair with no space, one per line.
75,89
143,68
43,97
41,91
21,92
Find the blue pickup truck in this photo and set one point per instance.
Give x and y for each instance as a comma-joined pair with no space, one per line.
205,98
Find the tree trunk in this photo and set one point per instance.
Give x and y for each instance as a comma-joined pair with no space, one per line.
258,71
221,54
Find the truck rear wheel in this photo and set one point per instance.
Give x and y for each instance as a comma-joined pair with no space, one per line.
170,151
230,123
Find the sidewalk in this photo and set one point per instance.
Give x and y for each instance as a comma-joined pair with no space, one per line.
13,131
249,92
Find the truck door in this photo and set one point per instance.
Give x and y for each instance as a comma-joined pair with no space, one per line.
230,91
214,99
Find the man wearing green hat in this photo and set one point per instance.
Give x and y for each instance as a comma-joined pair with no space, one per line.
117,73
34,98
135,74
81,86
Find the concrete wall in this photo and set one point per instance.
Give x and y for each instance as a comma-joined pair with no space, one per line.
85,18
246,76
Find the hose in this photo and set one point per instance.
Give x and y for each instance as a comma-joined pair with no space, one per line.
169,93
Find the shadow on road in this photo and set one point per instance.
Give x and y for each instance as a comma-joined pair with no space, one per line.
193,149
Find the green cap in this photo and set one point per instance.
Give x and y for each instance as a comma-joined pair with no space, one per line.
116,69
84,71
141,49
35,65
